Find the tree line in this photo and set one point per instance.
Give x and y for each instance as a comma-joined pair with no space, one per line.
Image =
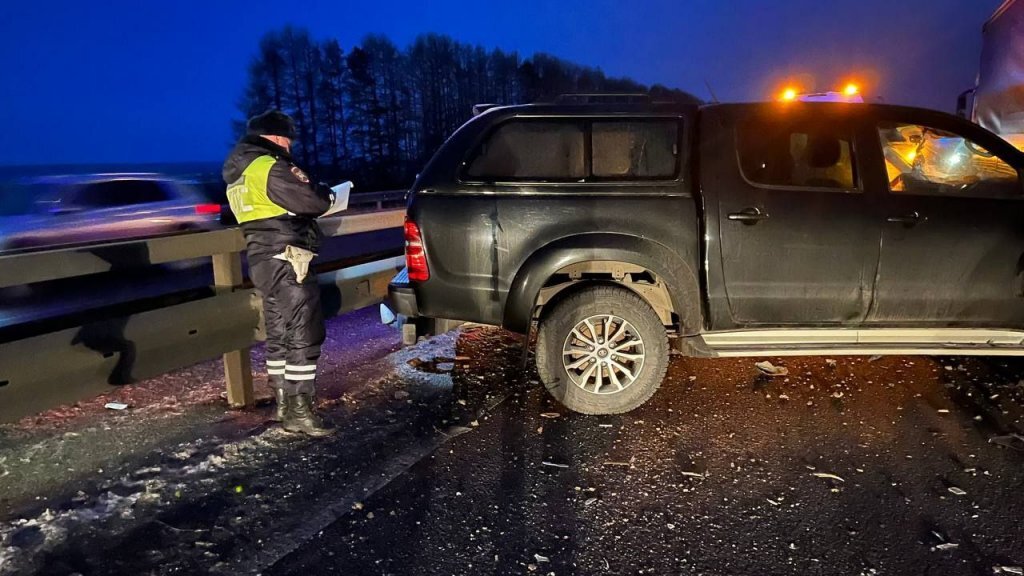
376,113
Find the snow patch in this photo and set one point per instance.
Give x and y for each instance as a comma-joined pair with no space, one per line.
53,528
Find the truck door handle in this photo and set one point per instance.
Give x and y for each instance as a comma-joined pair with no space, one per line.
907,219
748,216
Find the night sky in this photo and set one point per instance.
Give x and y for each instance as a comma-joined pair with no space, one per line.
119,81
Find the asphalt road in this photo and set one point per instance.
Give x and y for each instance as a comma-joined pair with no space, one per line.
451,459
857,469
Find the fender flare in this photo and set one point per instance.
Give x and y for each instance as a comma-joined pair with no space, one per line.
679,276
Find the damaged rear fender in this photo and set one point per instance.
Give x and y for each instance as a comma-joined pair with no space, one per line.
679,276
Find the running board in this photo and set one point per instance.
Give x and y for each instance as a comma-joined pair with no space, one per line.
882,341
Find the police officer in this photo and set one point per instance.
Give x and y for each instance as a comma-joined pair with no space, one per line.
277,205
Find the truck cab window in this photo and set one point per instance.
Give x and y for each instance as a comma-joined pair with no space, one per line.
927,161
531,151
798,155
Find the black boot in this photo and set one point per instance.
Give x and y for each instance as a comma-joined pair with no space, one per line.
281,407
301,417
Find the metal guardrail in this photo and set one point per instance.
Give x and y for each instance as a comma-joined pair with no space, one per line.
40,266
36,372
378,198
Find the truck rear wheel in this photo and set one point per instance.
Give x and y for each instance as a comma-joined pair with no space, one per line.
602,350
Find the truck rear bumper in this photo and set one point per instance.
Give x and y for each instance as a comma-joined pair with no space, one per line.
401,296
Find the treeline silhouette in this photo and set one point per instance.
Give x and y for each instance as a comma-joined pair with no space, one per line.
376,113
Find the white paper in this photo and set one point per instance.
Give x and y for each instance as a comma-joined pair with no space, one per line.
341,194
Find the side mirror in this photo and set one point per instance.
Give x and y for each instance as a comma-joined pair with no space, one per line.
961,103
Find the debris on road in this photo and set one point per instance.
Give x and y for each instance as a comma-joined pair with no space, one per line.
957,491
1014,441
769,369
115,406
875,358
757,448
943,411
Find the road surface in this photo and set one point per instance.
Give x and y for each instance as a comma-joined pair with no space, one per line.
453,460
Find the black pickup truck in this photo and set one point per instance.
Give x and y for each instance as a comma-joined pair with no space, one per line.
722,230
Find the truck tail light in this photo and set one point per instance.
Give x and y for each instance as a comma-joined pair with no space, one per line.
207,209
415,258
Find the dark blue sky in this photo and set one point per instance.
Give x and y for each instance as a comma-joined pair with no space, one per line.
120,81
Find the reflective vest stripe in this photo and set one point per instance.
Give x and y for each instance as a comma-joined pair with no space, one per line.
248,195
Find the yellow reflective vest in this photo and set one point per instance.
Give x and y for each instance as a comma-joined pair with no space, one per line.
248,195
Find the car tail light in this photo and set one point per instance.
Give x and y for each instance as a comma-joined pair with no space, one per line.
415,258
207,208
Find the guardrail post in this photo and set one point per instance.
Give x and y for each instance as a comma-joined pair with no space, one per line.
227,273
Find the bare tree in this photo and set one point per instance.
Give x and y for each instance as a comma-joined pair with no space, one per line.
376,113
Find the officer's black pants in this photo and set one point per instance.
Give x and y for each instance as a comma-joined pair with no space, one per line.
295,324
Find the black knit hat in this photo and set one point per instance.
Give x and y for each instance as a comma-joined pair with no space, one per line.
271,123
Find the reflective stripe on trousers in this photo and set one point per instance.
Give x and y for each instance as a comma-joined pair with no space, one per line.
300,372
275,367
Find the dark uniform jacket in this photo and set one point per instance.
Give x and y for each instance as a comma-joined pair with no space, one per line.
292,201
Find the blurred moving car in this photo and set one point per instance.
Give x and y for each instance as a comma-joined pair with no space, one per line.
60,210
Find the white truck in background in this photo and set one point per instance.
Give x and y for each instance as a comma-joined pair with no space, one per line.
998,102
